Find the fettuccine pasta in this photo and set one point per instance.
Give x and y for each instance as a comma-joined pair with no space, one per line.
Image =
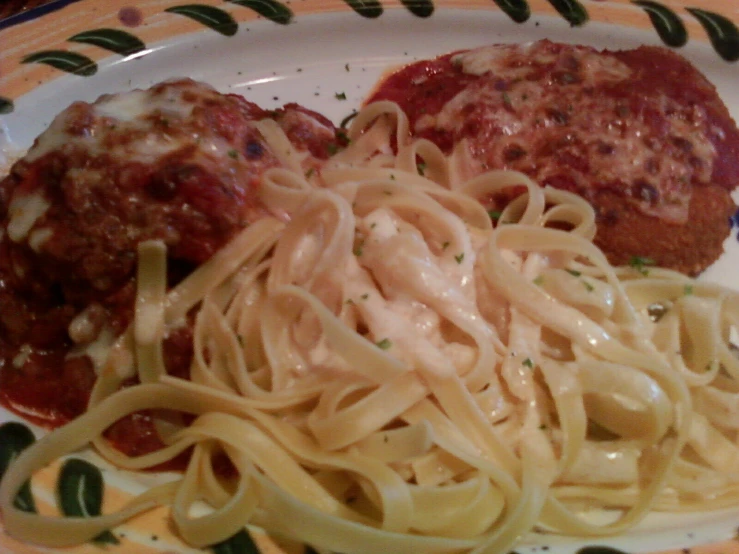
389,369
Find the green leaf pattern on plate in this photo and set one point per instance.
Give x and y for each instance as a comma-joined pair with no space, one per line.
722,31
217,19
80,493
518,10
14,438
115,40
240,543
271,9
366,8
572,10
71,62
666,22
419,8
6,105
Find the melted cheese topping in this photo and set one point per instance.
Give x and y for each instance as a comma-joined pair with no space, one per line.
521,61
138,104
137,126
23,212
141,113
549,108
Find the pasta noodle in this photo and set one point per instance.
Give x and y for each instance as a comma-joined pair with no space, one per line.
390,370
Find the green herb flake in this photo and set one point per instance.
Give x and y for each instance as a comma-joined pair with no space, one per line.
233,154
384,344
688,290
528,363
507,100
588,286
310,172
640,263
445,245
459,257
365,296
539,280
340,96
495,214
421,167
573,272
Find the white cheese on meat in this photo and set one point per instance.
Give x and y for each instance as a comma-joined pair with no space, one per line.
23,212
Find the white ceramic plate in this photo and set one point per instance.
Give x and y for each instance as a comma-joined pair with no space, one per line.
327,53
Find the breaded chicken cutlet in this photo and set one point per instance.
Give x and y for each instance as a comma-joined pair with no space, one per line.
641,134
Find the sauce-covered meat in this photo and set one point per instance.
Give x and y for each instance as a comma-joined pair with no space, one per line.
640,133
179,162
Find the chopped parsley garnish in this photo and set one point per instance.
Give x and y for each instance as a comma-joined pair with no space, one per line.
359,248
495,214
365,296
588,286
459,257
384,344
310,172
640,263
340,96
528,363
347,119
445,245
507,100
539,280
688,290
421,167
341,135
233,154
573,272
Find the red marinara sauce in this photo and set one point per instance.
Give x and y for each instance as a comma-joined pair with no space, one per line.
179,162
641,134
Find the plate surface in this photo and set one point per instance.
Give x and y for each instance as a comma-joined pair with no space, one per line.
326,55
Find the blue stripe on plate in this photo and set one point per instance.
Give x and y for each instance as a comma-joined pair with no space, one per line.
33,13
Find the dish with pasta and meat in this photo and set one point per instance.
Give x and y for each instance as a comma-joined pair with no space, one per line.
432,331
